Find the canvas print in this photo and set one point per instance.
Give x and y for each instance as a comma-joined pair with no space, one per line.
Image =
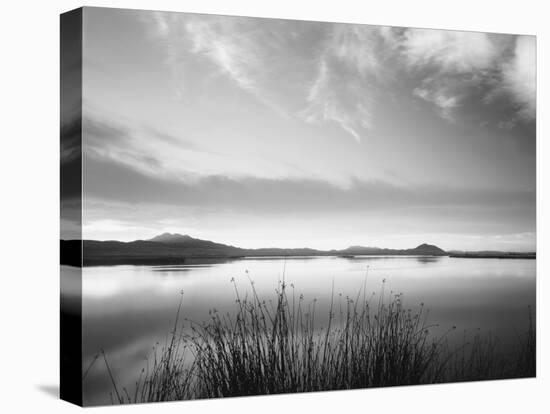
256,206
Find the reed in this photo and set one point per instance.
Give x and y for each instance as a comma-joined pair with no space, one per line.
277,347
280,346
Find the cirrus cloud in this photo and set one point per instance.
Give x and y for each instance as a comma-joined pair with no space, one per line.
335,73
457,64
351,70
450,51
520,77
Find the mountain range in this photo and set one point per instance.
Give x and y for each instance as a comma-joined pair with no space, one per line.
173,248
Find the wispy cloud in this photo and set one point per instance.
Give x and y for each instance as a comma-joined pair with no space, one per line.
519,76
289,195
448,69
449,63
337,72
454,65
167,156
140,147
449,51
248,52
326,104
260,56
236,54
215,38
444,102
350,69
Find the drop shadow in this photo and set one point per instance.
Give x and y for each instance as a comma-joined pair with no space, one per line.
51,390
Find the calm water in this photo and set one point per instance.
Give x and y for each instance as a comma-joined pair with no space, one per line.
127,309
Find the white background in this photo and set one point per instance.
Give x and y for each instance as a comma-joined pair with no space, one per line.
29,193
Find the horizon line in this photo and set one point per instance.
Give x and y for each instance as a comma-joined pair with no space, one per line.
304,247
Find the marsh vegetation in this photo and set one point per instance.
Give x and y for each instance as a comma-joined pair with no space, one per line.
281,344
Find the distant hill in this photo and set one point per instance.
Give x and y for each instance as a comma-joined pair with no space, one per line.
492,254
423,249
428,250
173,248
188,243
163,249
172,238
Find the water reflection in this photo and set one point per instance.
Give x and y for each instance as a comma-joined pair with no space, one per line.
428,259
127,309
370,258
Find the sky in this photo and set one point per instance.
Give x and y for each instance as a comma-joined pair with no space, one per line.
279,133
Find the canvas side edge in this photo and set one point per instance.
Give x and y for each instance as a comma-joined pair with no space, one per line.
71,206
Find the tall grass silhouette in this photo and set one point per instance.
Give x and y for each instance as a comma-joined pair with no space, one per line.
276,347
279,345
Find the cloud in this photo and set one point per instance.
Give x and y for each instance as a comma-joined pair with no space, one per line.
140,147
338,73
216,39
327,103
358,46
519,76
227,208
287,196
449,51
455,66
237,56
184,156
445,103
350,70
451,65
266,57
253,54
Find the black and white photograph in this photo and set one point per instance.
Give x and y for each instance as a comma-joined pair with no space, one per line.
233,206
256,206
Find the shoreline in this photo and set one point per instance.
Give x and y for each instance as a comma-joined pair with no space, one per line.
191,260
